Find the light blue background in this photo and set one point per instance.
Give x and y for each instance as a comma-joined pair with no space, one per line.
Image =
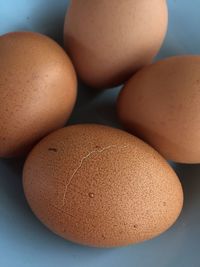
24,241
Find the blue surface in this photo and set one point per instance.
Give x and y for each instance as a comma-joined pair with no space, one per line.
24,241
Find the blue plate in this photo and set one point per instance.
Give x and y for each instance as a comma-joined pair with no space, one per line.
24,241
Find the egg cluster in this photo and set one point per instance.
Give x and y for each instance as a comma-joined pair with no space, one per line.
94,184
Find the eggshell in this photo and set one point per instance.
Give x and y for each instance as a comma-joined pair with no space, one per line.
161,104
101,187
37,90
109,40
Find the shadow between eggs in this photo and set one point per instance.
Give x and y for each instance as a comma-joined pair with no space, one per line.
189,175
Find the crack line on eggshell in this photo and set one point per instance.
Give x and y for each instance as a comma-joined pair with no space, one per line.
81,163
62,211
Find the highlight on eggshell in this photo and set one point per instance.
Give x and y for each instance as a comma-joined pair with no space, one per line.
161,105
108,41
38,90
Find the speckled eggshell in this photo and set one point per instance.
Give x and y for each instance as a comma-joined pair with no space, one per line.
37,90
161,104
109,40
101,187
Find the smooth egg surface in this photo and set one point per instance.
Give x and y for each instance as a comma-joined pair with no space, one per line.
37,90
161,104
109,40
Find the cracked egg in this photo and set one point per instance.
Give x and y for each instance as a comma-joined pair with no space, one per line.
101,186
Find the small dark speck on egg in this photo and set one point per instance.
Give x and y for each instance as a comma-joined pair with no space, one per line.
164,203
103,236
135,226
97,146
35,76
52,149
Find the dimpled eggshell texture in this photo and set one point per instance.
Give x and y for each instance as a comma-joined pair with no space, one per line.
100,186
161,104
37,90
109,40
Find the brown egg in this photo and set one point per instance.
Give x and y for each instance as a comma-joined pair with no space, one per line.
100,186
37,90
161,104
109,40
